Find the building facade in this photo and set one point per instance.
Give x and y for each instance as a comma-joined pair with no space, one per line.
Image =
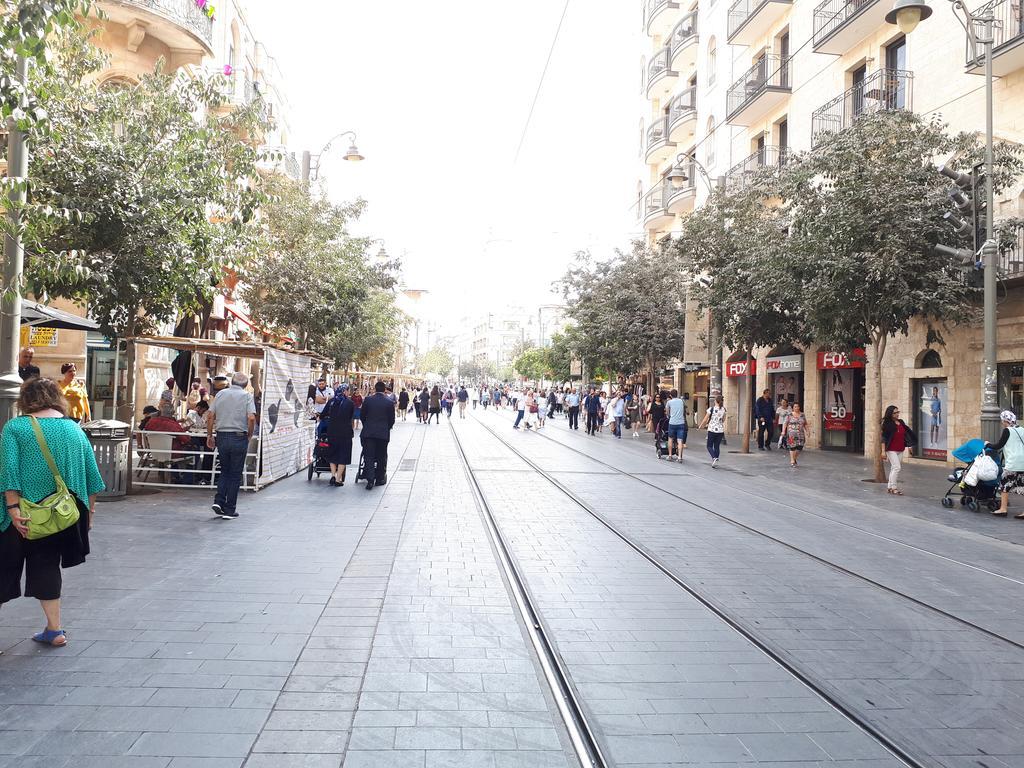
739,85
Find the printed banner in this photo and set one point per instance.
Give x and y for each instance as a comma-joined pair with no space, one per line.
931,399
839,399
286,433
738,368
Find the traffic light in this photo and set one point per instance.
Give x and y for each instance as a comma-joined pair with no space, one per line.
969,201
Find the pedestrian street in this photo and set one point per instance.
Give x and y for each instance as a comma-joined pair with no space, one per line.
684,615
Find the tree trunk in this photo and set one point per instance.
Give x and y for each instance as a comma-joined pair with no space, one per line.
873,436
126,410
745,406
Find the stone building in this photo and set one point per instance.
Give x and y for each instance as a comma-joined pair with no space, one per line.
731,87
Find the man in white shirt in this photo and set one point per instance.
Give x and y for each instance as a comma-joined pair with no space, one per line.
322,396
675,409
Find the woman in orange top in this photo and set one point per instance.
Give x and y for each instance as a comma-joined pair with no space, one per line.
74,392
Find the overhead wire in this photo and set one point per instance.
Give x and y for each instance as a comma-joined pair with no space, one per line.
540,83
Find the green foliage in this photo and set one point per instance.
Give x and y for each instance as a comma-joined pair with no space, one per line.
628,310
473,371
137,205
437,360
560,355
532,363
317,280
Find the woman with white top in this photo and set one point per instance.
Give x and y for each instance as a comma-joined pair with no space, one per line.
714,420
1011,443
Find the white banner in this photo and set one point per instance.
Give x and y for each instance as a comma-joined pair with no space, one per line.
286,433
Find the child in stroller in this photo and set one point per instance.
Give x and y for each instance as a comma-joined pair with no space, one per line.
661,437
971,496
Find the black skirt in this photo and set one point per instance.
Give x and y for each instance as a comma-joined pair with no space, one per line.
339,450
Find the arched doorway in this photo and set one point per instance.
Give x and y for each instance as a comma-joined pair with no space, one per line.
784,367
930,406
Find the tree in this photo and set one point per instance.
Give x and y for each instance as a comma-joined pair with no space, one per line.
866,210
532,363
520,347
560,355
628,311
736,241
437,360
474,371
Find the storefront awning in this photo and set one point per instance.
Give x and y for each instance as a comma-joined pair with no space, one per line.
39,315
222,347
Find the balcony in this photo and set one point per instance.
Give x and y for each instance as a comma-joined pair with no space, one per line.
1011,254
883,89
741,174
1007,41
750,20
683,43
682,116
841,24
660,76
682,199
655,212
760,90
658,145
179,24
659,16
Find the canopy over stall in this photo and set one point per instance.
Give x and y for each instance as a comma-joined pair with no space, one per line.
38,315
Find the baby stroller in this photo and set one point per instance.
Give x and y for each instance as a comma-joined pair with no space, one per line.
661,438
320,449
971,497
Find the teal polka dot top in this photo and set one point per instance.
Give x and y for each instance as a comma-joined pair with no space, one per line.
24,469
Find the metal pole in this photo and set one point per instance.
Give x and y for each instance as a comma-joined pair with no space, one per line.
14,257
305,166
716,358
990,424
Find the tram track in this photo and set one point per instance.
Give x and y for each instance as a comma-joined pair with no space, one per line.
576,716
641,478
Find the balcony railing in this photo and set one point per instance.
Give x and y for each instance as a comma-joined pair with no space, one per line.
185,13
659,65
654,201
744,171
884,89
657,134
830,15
291,166
742,11
1011,253
1008,26
654,7
772,72
684,33
682,105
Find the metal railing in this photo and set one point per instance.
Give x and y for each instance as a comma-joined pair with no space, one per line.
684,33
185,13
883,89
291,166
659,65
657,133
682,105
654,6
1008,26
742,10
744,171
833,14
1011,252
773,71
654,201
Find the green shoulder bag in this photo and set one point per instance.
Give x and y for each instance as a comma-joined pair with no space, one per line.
56,512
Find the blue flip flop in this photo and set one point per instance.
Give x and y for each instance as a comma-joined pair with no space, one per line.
49,636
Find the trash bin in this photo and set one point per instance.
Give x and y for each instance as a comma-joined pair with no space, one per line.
110,440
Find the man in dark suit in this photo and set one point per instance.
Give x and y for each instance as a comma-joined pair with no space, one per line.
378,417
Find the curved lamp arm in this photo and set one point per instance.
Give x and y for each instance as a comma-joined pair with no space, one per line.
678,176
352,154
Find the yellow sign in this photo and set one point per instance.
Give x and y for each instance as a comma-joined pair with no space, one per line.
38,337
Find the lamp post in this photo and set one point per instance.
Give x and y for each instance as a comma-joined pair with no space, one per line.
906,14
311,167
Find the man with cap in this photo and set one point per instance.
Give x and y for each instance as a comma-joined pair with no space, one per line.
378,417
232,418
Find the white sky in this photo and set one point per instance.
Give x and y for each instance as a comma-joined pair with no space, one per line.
438,93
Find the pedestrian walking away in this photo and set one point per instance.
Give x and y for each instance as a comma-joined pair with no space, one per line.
378,419
1011,443
434,404
677,427
764,413
46,459
340,429
357,404
714,420
896,438
463,397
425,405
797,433
403,403
232,419
572,400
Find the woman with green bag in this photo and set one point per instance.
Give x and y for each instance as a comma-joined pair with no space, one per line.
50,478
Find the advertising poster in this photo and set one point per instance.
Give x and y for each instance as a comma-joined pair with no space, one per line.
286,433
932,418
839,399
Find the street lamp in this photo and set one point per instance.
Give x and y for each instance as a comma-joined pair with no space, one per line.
352,154
679,176
907,14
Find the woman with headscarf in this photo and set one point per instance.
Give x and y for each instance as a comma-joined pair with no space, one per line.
340,417
1011,443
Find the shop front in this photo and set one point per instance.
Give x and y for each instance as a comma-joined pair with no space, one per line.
842,400
696,388
785,370
930,418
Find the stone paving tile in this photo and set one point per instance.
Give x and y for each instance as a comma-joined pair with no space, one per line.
596,591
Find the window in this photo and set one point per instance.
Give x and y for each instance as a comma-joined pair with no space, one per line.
709,138
783,127
930,359
895,61
712,58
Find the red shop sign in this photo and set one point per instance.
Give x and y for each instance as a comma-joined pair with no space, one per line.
828,360
739,368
